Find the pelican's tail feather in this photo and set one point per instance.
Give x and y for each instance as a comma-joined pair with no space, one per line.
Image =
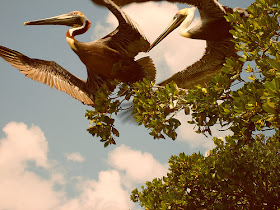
148,66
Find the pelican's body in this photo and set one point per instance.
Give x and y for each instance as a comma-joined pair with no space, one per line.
111,57
215,30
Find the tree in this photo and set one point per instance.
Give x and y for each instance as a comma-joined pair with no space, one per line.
241,172
231,177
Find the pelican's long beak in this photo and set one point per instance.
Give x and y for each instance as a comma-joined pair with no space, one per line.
177,20
65,19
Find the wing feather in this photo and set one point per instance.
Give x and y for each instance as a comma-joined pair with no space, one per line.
127,38
48,72
202,71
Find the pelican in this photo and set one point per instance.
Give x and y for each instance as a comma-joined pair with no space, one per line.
212,27
111,57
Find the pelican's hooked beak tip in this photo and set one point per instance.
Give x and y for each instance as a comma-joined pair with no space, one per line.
25,23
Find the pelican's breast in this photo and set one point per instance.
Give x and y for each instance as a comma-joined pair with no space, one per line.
97,57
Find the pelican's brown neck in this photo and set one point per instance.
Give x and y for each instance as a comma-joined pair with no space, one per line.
72,32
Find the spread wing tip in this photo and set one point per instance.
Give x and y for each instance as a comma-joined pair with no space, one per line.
49,73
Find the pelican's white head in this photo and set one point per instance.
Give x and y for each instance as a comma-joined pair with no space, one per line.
189,15
183,18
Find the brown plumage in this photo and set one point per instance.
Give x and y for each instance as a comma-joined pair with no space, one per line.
204,69
50,73
213,28
111,57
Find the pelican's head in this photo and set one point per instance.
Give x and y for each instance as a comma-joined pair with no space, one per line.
183,17
74,19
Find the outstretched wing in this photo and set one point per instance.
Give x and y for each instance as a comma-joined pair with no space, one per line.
127,38
202,71
48,72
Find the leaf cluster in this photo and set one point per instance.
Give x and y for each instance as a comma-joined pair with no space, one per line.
155,109
255,106
106,107
231,177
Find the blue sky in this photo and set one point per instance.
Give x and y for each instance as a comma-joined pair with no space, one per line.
49,159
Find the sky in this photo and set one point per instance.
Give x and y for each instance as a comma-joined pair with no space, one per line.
47,158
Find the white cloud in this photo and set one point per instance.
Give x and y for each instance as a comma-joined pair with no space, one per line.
26,144
105,194
112,190
186,133
75,157
138,166
174,53
22,188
